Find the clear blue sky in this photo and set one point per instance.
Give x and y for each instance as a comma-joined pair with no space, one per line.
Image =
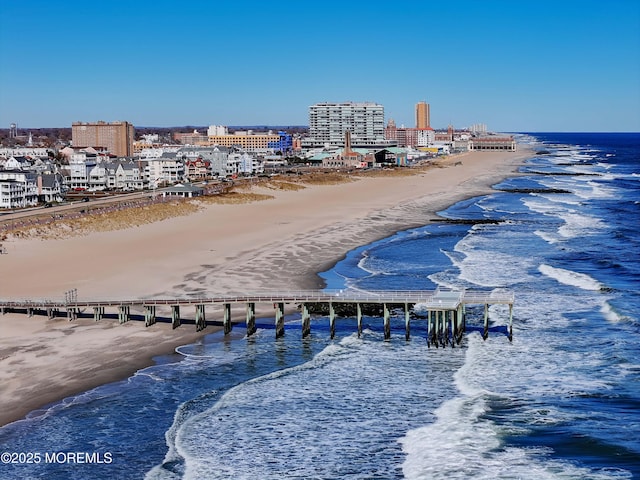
519,65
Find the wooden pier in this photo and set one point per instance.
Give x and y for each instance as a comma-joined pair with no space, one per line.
444,309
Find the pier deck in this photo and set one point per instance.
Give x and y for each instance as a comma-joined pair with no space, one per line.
445,309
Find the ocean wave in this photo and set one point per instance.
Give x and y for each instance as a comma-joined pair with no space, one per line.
571,278
579,224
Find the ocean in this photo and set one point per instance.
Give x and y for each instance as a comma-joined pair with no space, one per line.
561,401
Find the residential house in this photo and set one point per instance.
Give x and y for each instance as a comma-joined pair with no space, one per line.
124,175
50,187
246,164
197,169
18,163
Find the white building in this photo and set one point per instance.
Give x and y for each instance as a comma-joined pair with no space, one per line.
245,164
328,123
217,131
24,152
18,189
157,152
77,172
169,168
116,175
426,137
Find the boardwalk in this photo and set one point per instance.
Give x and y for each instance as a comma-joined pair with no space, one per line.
445,310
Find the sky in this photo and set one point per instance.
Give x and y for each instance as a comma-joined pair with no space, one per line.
516,66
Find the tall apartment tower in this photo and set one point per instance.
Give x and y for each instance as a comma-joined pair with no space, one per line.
117,137
328,123
423,117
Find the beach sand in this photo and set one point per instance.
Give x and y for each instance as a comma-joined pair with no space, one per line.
278,243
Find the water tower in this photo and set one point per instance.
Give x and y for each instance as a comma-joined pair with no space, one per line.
13,130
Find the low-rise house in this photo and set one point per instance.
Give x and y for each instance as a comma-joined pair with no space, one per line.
50,187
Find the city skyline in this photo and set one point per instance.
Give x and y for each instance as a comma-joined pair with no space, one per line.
523,66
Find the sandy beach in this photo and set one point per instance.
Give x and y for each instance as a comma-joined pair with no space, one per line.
279,242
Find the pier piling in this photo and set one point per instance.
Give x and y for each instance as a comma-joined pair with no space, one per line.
485,333
251,318
227,319
123,313
407,322
279,319
387,322
306,321
98,313
201,322
175,316
149,315
332,320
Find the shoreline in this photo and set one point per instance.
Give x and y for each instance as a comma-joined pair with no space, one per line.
285,241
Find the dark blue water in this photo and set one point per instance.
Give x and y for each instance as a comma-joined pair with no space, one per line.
560,401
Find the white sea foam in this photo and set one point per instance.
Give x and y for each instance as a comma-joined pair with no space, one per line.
542,205
547,237
480,263
591,190
579,225
568,277
463,435
611,314
302,421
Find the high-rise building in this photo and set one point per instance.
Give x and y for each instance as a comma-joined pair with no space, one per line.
328,123
116,137
423,117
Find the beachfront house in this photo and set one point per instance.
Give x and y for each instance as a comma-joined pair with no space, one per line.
245,164
50,187
123,175
78,171
218,158
198,169
18,189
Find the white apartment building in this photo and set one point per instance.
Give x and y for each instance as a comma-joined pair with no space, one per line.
18,189
328,123
77,172
217,131
169,168
425,137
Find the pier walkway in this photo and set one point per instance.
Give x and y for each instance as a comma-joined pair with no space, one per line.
444,309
